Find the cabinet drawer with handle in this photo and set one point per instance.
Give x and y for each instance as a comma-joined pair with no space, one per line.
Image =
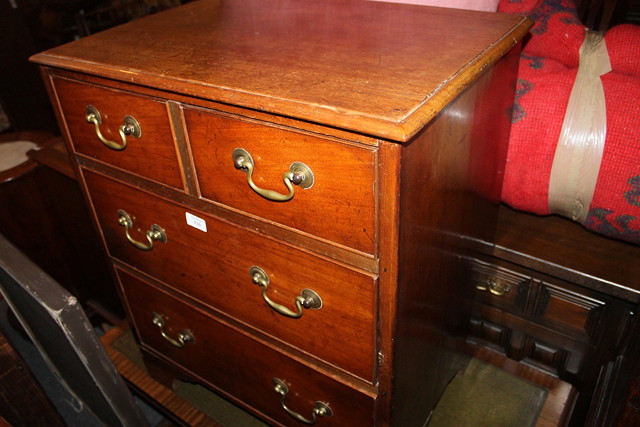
318,186
272,383
500,287
316,305
128,131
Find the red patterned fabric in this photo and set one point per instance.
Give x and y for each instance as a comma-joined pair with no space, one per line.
623,42
548,68
538,116
615,208
557,33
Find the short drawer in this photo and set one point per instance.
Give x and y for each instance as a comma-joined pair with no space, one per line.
238,365
501,287
560,306
566,308
340,203
149,151
219,267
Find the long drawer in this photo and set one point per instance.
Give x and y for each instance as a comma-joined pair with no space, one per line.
96,118
252,278
336,199
239,365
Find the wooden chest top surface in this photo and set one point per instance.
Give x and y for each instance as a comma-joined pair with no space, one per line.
376,68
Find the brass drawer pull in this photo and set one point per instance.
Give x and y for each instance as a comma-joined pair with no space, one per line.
131,127
320,410
495,286
156,233
184,337
307,298
298,174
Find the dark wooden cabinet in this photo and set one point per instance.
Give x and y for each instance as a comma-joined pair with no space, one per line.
559,298
545,322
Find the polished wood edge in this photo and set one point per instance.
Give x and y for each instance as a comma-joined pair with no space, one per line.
410,125
363,385
174,406
561,395
502,253
565,249
311,244
561,272
353,121
288,108
242,113
389,214
567,274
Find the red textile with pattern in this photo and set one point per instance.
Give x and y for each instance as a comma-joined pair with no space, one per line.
548,67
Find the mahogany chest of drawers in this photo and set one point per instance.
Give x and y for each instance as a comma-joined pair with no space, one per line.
285,188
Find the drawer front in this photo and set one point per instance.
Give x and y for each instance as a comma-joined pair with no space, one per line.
563,308
500,287
237,364
151,155
560,306
339,206
214,268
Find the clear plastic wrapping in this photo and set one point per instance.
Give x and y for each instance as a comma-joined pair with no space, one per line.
578,155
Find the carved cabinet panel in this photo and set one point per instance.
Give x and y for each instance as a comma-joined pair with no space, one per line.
556,326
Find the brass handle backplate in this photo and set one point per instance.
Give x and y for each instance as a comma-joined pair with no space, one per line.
495,286
184,336
307,298
298,174
320,409
156,233
131,127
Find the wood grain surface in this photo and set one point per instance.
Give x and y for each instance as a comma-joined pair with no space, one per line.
213,268
377,68
234,362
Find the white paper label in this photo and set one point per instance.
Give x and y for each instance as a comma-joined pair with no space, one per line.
196,222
